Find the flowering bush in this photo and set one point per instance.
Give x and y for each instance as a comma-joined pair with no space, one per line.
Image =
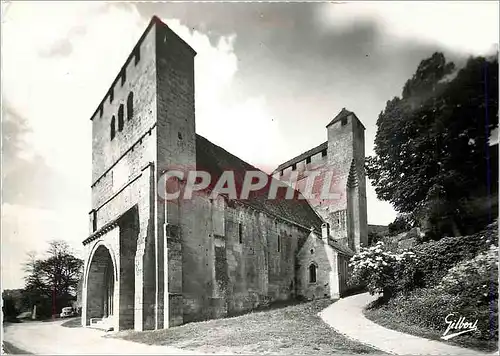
475,283
383,271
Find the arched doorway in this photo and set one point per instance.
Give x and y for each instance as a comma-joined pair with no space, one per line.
101,280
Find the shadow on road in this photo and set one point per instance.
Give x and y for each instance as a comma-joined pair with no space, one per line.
73,323
10,349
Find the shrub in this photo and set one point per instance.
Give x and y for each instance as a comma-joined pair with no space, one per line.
383,271
475,283
435,258
406,274
469,289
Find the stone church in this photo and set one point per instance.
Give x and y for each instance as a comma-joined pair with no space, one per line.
153,264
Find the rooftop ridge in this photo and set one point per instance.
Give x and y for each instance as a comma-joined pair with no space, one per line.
342,114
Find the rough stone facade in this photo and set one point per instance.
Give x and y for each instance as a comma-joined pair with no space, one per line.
340,161
153,264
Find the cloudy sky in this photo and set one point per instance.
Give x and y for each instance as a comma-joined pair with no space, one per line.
270,73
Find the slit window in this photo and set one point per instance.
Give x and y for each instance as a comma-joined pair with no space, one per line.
294,166
312,273
120,118
308,160
240,233
113,127
323,153
130,106
124,76
94,220
111,95
279,243
344,121
137,55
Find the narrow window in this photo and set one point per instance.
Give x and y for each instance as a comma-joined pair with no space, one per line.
281,172
137,55
94,220
124,76
279,243
100,111
120,118
130,106
323,153
240,232
113,127
308,160
344,121
312,273
111,95
294,167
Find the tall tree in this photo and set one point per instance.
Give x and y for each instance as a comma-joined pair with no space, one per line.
52,282
433,160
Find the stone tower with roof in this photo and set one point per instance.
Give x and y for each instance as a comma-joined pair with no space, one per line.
347,216
340,161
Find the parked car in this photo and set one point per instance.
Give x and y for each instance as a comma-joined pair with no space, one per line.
67,312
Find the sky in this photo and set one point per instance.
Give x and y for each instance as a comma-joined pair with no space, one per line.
268,73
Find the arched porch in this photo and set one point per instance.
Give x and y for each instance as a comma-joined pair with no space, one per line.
101,309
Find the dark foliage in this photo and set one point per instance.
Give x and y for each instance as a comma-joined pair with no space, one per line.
433,158
9,309
52,282
401,224
435,258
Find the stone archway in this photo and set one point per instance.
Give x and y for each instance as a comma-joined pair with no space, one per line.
101,289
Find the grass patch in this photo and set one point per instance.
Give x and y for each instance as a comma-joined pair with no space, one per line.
386,316
73,323
291,330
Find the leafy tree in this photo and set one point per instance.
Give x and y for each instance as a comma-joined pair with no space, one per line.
52,282
433,158
400,224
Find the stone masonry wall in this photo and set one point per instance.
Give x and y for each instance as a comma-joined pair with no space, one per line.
123,178
315,252
346,145
176,148
228,272
139,79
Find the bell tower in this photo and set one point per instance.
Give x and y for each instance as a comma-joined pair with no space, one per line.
347,215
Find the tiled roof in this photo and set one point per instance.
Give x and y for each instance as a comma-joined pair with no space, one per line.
303,156
345,113
346,250
342,114
216,160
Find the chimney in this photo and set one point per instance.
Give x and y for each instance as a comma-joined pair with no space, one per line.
325,231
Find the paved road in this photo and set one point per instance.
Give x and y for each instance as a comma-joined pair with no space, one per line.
346,316
54,339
